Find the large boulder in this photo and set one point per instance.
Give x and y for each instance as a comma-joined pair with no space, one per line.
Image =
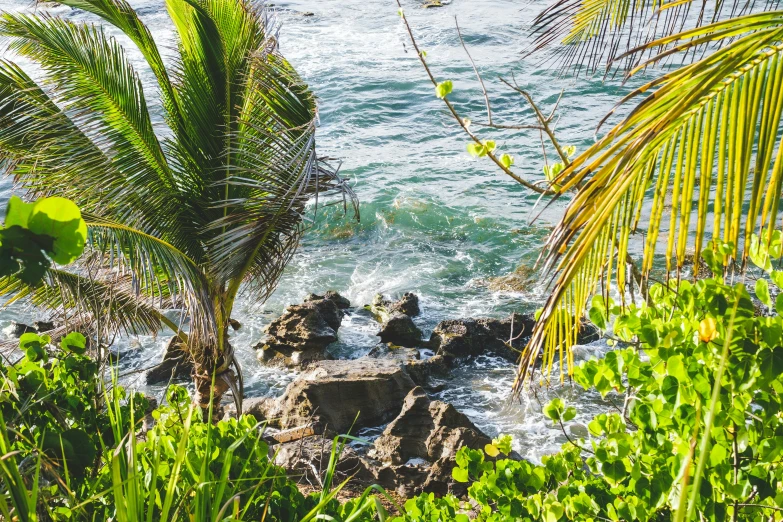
400,330
502,337
339,396
176,364
302,333
421,444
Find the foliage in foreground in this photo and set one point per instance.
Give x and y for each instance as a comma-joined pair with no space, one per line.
72,451
667,446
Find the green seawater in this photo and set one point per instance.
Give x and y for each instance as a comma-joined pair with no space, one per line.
433,220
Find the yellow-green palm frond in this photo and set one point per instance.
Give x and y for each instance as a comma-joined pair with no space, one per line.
704,141
587,35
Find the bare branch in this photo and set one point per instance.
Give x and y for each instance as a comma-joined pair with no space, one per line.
472,63
460,120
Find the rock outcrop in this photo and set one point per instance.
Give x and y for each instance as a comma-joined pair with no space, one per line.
339,396
303,332
399,329
417,450
383,308
471,337
176,364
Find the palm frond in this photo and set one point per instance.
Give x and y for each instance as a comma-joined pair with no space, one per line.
276,172
705,140
109,307
100,91
40,144
588,35
121,15
158,268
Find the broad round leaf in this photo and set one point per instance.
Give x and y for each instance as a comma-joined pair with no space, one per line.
60,219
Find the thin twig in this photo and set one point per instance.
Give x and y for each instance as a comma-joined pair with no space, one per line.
543,120
460,120
475,70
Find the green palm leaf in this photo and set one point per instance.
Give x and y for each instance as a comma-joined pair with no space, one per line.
111,306
180,222
704,141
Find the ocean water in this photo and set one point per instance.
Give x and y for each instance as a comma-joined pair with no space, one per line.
433,220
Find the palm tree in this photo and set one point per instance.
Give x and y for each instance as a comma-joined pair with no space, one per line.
699,158
181,217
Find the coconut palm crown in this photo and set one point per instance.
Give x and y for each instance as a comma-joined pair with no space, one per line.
177,218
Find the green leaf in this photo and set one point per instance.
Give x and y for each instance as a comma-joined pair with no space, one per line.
17,213
762,291
491,450
614,471
443,89
74,342
490,145
554,409
34,346
476,150
569,414
506,160
60,219
460,474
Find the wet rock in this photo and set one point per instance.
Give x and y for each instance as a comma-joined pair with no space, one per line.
426,435
472,337
235,325
422,370
302,333
176,364
520,280
383,308
330,295
44,326
335,396
399,329
19,329
396,352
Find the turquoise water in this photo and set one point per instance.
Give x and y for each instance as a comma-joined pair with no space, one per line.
433,220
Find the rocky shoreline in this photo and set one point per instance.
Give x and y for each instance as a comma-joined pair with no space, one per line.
388,390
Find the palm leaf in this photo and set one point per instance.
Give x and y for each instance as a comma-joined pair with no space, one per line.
109,306
275,174
588,35
703,141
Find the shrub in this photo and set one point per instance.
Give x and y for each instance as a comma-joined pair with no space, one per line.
638,460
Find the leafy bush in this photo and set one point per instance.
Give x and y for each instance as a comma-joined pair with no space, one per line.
75,449
638,460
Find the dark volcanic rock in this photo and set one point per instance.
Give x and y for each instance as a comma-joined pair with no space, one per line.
19,329
429,431
472,337
341,302
399,329
302,333
331,394
176,364
44,326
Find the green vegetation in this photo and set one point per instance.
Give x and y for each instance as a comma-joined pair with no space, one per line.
75,450
187,218
689,344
